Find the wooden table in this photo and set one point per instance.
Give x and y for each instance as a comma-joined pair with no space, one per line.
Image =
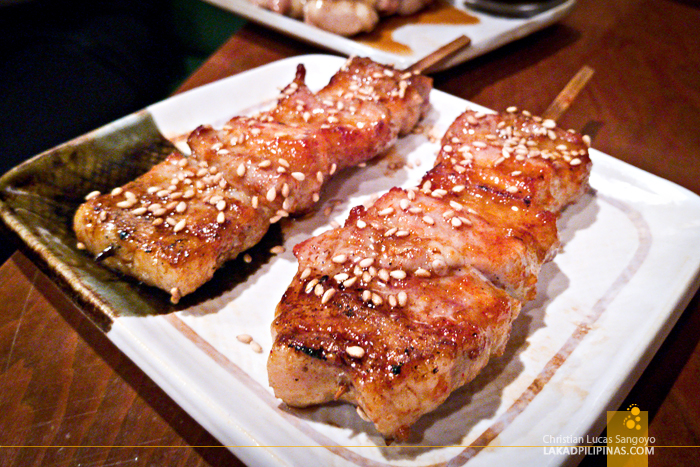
67,394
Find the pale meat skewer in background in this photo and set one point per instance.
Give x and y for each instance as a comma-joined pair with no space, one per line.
174,226
408,300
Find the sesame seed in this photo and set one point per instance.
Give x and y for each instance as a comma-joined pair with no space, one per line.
392,301
246,257
327,295
339,259
512,109
549,124
402,298
391,232
276,250
157,221
283,162
355,352
311,285
384,275
428,220
404,203
298,176
117,191
456,222
575,161
479,144
319,176
349,282
512,189
341,277
220,218
175,295
305,273
398,274
240,171
257,348
180,225
366,295
139,211
458,188
366,262
254,202
245,338
318,290
264,164
271,194
334,167
377,299
126,204
181,207
587,140
455,205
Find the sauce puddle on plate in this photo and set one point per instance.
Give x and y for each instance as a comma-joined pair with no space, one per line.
440,12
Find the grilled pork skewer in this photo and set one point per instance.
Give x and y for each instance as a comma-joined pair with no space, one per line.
409,299
174,226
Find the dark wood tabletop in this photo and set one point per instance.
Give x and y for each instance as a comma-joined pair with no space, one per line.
70,397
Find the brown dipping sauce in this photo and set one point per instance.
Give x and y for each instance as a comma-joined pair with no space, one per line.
440,12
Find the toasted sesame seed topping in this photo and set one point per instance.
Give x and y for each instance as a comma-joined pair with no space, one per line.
383,275
339,259
257,348
398,274
549,124
175,295
386,211
240,171
361,224
220,218
139,211
355,352
276,250
349,282
428,220
126,203
366,262
271,194
117,191
298,176
245,338
180,225
366,295
327,295
575,161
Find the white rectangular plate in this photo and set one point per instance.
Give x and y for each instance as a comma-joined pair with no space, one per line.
487,32
629,265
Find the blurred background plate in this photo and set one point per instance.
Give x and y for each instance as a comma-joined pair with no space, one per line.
402,41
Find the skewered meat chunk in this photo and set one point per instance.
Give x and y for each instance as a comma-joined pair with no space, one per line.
174,226
343,17
408,300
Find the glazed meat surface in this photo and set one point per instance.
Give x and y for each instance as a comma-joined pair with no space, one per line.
174,226
408,299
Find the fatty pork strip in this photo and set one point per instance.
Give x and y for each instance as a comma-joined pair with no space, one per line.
408,300
174,226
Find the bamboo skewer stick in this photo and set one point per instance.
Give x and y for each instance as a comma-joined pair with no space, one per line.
428,62
567,95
